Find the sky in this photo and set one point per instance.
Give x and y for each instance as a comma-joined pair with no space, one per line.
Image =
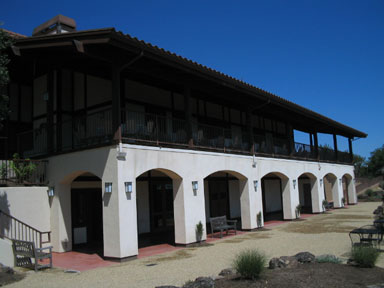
326,55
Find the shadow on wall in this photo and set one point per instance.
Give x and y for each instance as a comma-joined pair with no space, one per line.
5,222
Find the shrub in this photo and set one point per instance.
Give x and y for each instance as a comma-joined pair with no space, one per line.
381,185
328,259
199,231
365,256
258,218
250,264
369,192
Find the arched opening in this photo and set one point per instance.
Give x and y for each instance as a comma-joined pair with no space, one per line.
273,186
330,188
222,194
155,195
307,191
348,189
87,214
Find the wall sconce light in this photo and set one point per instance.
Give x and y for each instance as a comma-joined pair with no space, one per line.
195,186
108,187
294,183
340,181
128,187
321,182
255,184
51,191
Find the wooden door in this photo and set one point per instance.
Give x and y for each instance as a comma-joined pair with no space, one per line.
307,197
218,198
162,218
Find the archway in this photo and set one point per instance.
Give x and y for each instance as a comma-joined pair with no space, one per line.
348,189
155,196
307,191
87,214
274,186
330,189
222,194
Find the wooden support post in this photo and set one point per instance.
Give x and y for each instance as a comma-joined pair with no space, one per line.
250,131
50,120
317,155
335,146
291,138
59,85
116,104
188,114
350,148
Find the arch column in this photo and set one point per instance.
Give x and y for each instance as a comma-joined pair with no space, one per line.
249,204
317,197
189,209
61,222
337,193
290,198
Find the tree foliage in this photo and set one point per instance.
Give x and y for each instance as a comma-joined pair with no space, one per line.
360,164
376,162
5,42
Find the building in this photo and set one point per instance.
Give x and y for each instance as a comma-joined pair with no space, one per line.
140,144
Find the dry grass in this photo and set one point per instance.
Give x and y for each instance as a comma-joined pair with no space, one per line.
178,255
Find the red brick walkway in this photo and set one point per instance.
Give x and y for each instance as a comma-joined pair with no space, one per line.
82,262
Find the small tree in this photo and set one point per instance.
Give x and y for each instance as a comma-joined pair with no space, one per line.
199,231
5,42
259,220
298,211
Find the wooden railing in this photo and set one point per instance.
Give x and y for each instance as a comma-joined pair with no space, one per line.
14,229
159,130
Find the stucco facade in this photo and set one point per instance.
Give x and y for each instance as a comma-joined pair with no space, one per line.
182,166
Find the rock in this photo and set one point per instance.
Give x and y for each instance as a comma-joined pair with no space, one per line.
72,271
226,272
201,282
329,258
283,262
376,286
166,286
305,257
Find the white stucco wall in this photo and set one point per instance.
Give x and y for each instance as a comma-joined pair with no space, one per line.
183,166
234,198
30,205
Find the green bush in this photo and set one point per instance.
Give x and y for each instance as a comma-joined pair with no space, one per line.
328,259
250,264
365,256
369,192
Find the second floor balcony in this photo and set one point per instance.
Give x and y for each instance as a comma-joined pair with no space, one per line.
93,130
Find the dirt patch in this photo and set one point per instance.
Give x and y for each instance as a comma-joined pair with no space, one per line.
7,277
310,276
350,217
180,254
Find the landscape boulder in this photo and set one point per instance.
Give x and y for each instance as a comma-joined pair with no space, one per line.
283,262
201,282
226,272
305,257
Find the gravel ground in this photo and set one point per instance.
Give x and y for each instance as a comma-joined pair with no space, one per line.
320,234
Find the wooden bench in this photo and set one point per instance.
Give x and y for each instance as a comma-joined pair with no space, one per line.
221,223
24,251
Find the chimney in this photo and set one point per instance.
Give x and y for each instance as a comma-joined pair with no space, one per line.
57,25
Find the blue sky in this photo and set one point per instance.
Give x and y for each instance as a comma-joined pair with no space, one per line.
325,55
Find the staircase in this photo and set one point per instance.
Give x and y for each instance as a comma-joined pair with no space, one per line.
14,229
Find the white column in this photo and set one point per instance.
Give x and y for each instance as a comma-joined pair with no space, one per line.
290,198
189,209
258,201
61,222
317,196
248,204
337,193
119,211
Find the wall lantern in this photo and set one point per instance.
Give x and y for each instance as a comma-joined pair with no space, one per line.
195,186
51,191
128,187
255,184
294,183
321,182
108,187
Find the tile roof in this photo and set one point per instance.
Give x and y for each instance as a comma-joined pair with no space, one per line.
13,34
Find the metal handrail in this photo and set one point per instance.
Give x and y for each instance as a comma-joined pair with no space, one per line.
22,231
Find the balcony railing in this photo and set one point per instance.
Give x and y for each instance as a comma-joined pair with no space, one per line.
159,130
23,172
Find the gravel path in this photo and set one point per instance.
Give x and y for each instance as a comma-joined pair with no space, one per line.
320,234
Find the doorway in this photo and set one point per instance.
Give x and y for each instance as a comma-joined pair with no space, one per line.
87,220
